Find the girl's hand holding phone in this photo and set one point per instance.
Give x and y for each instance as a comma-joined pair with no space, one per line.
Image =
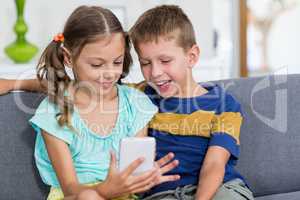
123,183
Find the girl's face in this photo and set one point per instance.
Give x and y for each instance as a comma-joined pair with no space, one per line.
100,63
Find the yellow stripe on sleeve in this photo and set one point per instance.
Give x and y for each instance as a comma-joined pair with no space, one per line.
198,123
229,123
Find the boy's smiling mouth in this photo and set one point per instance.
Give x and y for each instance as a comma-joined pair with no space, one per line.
160,83
163,86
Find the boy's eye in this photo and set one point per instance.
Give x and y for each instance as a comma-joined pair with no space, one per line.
145,64
165,61
96,65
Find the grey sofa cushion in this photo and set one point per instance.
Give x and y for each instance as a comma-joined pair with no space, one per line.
270,139
284,196
270,135
19,179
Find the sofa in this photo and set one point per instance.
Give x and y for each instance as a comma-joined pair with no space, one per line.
270,139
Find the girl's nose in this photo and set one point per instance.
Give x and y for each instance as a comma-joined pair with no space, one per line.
108,75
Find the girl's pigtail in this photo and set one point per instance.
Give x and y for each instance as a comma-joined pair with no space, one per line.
52,69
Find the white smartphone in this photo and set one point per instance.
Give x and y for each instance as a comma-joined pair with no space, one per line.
134,148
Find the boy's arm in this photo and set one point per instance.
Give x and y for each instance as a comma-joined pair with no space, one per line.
212,172
224,142
7,85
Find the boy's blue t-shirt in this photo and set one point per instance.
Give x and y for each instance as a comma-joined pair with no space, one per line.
90,151
188,126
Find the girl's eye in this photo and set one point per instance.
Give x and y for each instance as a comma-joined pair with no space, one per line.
118,63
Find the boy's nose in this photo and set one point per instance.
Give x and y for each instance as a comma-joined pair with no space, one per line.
156,71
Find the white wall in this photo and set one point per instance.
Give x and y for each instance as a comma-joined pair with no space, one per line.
46,18
284,43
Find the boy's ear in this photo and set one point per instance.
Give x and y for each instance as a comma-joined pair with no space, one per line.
67,57
193,55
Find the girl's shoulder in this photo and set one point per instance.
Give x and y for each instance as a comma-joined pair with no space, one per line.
141,86
45,118
47,106
130,91
135,99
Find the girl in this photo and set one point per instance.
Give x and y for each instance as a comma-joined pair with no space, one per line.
83,120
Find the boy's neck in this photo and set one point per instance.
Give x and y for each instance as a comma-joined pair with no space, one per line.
192,89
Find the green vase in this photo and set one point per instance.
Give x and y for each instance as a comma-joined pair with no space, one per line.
20,51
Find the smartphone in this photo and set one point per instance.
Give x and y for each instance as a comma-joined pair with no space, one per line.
134,148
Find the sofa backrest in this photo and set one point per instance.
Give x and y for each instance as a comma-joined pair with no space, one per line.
270,139
19,179
270,134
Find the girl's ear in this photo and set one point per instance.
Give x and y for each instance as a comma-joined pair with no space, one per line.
193,55
67,57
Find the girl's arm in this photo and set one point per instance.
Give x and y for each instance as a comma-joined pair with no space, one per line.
62,163
116,184
212,172
7,85
143,132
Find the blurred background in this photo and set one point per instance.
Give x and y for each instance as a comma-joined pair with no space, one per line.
238,38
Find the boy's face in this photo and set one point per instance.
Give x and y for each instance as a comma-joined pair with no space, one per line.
165,66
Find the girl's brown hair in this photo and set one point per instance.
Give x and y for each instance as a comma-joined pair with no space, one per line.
84,26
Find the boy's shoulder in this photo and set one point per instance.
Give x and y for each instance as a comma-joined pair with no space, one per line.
217,97
220,99
227,101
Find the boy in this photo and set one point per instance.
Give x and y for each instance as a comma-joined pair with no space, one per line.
199,123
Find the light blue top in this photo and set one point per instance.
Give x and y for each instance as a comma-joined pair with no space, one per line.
90,151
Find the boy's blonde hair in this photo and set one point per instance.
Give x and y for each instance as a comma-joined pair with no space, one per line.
168,21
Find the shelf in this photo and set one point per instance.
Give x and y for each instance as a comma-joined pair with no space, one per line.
17,71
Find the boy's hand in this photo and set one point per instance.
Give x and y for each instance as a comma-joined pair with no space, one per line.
6,86
165,165
123,183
